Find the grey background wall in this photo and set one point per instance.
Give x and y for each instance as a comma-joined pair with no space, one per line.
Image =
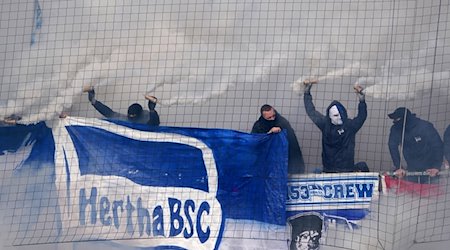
214,63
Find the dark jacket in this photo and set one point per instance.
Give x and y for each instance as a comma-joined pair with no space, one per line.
447,143
338,141
296,164
151,117
422,145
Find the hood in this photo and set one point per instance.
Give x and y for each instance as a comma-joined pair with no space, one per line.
341,109
399,114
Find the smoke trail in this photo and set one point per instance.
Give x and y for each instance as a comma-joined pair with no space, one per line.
406,87
350,70
253,74
408,77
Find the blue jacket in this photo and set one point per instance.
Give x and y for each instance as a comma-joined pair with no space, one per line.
338,141
422,145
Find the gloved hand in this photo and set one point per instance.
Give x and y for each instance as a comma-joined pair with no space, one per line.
361,96
12,119
360,92
91,96
308,84
432,172
151,98
400,173
307,89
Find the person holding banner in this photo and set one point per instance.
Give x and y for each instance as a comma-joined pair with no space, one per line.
447,146
419,142
271,121
135,112
338,132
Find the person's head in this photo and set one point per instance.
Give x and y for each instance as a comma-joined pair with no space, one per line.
134,111
306,232
268,112
337,113
400,115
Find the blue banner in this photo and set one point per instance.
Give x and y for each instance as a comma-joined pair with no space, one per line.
155,186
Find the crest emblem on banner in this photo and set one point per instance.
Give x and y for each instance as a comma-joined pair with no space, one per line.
96,205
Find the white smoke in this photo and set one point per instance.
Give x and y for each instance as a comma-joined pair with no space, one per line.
349,70
406,87
398,79
139,49
193,53
253,74
408,77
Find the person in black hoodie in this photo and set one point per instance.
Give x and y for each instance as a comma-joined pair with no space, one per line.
420,142
271,121
338,132
135,112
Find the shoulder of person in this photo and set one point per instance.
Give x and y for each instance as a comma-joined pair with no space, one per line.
257,122
447,129
426,124
395,129
283,122
447,132
281,118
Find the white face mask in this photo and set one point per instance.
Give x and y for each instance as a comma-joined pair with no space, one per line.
335,116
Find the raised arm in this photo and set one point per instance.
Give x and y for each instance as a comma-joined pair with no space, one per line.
153,119
359,119
362,115
152,101
313,114
100,107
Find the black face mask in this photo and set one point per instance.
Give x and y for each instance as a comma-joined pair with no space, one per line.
133,116
397,121
270,122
